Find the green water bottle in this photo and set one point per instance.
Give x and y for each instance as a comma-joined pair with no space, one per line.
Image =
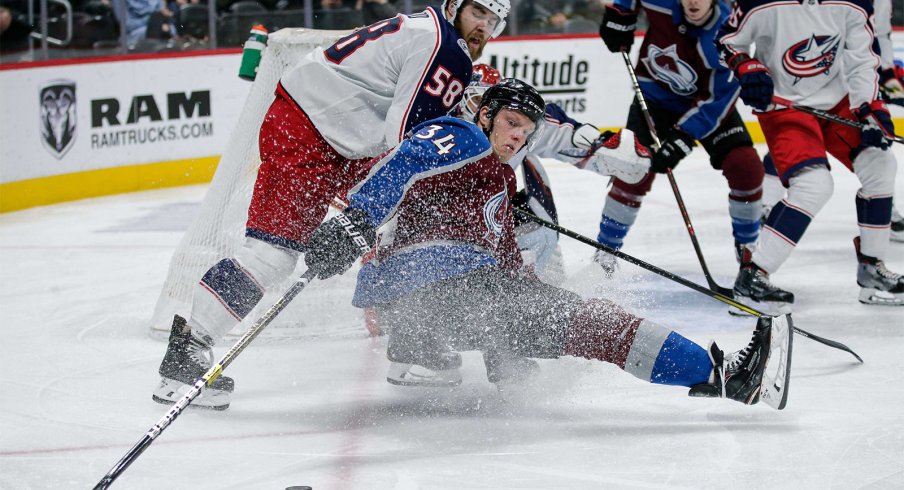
252,52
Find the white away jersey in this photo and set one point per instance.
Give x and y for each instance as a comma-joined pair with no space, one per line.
817,51
371,87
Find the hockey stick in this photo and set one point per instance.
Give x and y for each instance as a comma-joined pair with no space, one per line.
208,378
828,116
680,280
687,219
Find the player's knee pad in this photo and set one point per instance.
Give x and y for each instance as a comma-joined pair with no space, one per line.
810,189
744,172
876,170
601,330
230,289
267,264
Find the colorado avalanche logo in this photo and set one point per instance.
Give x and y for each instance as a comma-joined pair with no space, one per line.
810,57
665,66
491,216
58,116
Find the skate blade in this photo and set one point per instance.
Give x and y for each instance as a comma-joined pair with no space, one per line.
170,391
870,296
401,374
777,373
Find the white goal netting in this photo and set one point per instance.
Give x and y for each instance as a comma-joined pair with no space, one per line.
323,308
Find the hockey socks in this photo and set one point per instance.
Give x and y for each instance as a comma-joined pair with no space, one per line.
604,331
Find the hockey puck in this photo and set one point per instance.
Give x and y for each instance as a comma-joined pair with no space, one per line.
300,487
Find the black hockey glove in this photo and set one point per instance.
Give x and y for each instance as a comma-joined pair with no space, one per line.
756,81
336,244
877,124
617,28
675,146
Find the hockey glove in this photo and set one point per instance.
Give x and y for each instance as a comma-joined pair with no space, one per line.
617,28
877,125
891,86
617,154
675,146
756,82
336,244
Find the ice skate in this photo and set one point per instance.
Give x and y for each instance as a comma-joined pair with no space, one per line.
752,287
897,226
444,373
878,285
607,262
186,360
507,370
742,248
760,371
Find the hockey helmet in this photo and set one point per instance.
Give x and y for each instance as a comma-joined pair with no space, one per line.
482,77
516,95
499,7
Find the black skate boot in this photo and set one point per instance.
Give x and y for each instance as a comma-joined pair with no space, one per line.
607,262
442,372
186,360
505,369
761,370
421,359
752,287
740,249
878,285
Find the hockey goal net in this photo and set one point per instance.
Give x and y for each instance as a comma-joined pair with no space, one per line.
322,309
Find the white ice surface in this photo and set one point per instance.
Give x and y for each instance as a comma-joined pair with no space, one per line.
78,283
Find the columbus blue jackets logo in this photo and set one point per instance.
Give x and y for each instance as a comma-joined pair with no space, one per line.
58,117
665,65
492,216
810,57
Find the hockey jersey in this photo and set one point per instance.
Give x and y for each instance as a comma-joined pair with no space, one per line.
679,67
817,51
442,201
371,87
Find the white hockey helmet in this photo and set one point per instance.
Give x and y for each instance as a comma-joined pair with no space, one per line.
499,7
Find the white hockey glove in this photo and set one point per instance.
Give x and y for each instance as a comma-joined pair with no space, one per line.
584,136
617,154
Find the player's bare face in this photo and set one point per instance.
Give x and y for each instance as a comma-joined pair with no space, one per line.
475,23
697,12
510,132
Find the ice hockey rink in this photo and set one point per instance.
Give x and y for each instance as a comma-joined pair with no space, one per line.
77,367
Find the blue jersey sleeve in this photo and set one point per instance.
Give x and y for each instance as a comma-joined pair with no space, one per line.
706,115
434,147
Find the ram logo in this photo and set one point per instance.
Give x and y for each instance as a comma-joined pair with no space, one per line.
58,116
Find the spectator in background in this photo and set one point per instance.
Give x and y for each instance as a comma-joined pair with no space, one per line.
557,16
374,10
137,14
14,27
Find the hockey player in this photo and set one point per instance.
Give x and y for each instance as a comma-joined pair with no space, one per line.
818,54
447,266
691,97
335,110
891,87
557,136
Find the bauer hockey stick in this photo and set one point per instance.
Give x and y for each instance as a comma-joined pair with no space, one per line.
208,378
681,207
828,116
680,280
